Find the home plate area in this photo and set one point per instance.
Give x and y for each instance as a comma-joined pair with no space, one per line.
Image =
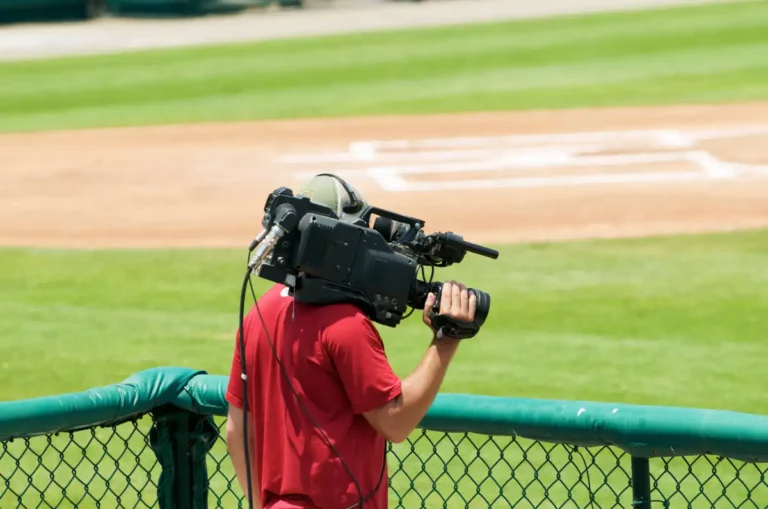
547,160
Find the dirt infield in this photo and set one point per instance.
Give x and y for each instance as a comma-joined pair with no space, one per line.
491,177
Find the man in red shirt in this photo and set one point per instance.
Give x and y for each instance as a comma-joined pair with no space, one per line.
336,363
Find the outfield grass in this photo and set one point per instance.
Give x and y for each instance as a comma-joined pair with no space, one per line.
690,54
667,320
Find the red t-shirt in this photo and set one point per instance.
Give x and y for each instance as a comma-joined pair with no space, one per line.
336,362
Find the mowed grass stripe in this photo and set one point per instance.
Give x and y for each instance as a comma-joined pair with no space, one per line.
703,53
671,320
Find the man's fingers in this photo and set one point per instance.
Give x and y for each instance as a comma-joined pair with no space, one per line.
429,302
428,305
456,300
446,298
472,305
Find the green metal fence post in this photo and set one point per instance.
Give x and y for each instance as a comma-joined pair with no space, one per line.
641,483
180,441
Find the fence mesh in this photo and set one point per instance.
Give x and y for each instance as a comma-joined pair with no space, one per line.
114,467
100,467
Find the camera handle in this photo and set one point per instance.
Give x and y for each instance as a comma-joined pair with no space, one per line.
449,327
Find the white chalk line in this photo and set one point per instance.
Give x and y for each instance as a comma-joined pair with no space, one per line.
388,179
564,181
361,151
710,168
432,155
675,139
528,162
372,150
713,167
548,160
522,152
721,134
743,168
532,159
515,139
658,135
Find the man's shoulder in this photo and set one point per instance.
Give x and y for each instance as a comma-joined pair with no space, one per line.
277,291
270,304
276,295
347,322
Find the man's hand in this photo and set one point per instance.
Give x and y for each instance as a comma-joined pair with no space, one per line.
455,303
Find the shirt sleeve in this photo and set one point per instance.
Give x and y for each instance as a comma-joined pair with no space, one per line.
234,394
357,352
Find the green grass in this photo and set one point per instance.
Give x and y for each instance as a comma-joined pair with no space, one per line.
649,315
667,320
691,54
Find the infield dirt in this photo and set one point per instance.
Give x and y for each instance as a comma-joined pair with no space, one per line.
205,185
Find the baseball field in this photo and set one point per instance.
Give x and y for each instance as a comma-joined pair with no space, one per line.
618,161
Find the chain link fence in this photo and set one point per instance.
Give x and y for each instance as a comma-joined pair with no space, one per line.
117,466
104,467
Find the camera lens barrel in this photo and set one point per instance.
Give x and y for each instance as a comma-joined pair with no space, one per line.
483,306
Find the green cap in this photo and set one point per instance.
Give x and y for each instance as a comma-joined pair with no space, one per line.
332,191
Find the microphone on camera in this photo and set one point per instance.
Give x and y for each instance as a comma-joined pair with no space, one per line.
285,220
265,246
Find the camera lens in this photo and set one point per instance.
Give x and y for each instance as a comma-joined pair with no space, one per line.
419,296
483,306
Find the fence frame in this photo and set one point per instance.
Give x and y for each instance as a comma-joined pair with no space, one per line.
183,401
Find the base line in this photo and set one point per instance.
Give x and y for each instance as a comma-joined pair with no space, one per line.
667,137
570,181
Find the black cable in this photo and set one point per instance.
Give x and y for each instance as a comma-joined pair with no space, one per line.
246,283
589,483
586,471
244,377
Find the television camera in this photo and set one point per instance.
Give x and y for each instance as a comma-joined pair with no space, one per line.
325,260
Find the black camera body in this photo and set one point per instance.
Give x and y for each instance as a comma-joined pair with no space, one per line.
324,260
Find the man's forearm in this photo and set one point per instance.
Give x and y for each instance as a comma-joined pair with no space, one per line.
420,388
237,456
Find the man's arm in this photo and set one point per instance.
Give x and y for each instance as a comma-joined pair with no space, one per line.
398,418
235,446
234,436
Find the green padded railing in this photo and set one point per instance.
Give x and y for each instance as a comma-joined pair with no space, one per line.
154,441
